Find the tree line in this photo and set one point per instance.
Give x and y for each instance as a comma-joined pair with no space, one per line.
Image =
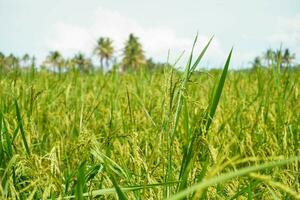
133,57
273,58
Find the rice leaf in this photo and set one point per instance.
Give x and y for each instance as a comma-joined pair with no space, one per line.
230,175
20,124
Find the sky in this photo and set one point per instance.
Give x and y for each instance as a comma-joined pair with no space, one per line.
39,26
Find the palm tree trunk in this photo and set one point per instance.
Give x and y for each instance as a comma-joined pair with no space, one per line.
107,63
101,64
59,70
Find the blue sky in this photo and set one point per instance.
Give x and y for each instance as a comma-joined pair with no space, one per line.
36,27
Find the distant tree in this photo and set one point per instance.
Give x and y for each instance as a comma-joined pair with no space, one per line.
278,60
256,63
269,57
88,65
115,65
104,50
133,54
32,65
56,60
25,60
33,60
12,61
2,56
150,64
2,62
82,63
282,58
287,58
78,60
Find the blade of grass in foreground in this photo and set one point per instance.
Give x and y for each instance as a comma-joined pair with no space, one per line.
7,138
119,191
1,145
227,176
218,93
182,90
187,160
188,72
20,123
199,58
80,181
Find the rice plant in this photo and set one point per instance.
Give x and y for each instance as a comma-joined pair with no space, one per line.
163,134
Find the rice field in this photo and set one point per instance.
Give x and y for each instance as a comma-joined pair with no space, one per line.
161,134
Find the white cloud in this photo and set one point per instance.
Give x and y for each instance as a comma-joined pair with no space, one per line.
289,34
70,38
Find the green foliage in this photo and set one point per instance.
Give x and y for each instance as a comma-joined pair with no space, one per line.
272,58
81,63
133,54
20,126
55,61
104,50
151,135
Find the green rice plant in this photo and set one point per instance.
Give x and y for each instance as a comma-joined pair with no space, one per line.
20,125
190,68
151,134
80,182
119,191
230,175
191,148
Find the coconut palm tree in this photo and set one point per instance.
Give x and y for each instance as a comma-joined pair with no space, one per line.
78,60
56,60
88,65
12,61
133,54
32,65
2,56
82,63
104,50
32,62
2,62
287,58
279,58
25,60
269,56
256,63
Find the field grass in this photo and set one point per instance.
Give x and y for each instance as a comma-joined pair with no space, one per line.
150,135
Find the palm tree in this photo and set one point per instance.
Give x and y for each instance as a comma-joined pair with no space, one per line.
69,63
88,65
12,61
256,63
33,60
104,50
82,63
78,61
287,57
2,56
279,58
25,59
269,56
55,59
32,64
2,60
133,54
